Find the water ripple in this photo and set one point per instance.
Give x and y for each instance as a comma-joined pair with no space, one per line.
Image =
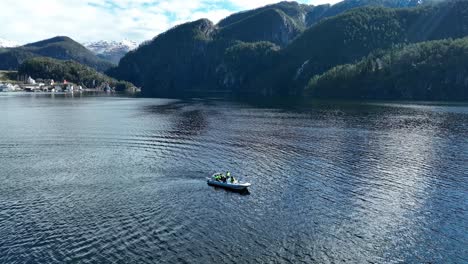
123,180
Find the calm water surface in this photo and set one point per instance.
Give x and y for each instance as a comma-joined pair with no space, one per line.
122,180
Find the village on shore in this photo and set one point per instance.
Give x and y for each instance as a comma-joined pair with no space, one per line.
40,85
28,84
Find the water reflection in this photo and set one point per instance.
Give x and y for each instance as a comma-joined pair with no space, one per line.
400,164
187,119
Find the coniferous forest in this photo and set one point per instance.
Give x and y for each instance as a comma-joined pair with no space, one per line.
389,49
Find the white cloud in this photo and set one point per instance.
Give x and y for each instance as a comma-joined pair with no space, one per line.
89,20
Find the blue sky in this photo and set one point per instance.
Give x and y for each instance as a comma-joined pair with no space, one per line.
26,21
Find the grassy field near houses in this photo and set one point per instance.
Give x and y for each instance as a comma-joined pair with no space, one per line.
8,76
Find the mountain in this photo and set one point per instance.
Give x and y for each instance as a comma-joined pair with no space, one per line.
279,23
190,56
7,43
61,48
180,58
434,70
111,51
47,68
293,10
273,50
325,11
352,35
282,22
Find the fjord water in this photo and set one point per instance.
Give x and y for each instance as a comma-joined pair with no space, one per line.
97,179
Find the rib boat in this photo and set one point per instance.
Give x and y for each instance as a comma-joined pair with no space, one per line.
228,184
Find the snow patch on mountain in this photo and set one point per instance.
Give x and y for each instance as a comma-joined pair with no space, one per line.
104,46
112,51
7,43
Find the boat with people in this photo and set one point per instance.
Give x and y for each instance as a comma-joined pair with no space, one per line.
227,181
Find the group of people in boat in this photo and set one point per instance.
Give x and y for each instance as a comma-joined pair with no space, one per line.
225,178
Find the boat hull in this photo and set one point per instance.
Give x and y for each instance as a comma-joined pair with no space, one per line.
231,186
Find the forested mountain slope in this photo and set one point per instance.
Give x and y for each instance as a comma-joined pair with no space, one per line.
61,48
273,51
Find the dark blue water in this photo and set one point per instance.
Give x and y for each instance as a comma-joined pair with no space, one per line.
122,180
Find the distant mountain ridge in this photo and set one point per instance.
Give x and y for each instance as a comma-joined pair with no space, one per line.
61,48
112,51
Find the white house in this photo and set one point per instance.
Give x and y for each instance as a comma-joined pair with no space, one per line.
30,80
8,87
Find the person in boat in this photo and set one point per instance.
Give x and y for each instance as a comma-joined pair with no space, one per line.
220,177
228,176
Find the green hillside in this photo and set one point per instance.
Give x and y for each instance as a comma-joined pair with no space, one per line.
270,51
47,68
350,36
293,10
269,25
61,48
435,70
176,60
326,11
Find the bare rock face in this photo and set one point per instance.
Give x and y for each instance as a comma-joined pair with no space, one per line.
270,25
279,23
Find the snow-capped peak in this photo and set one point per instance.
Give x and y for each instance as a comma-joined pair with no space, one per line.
112,51
7,43
104,46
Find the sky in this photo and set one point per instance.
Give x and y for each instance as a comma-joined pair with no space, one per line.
25,21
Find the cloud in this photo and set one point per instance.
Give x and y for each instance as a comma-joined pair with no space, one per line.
90,20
